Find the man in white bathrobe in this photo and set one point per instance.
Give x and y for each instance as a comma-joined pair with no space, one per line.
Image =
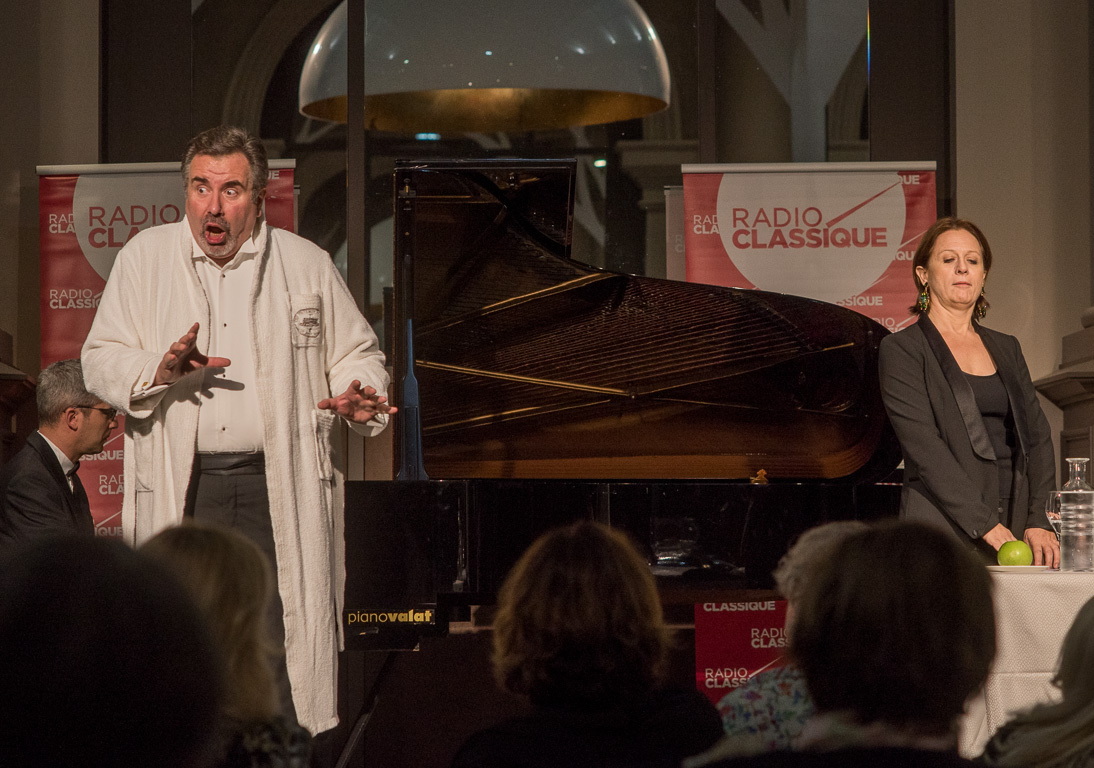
232,348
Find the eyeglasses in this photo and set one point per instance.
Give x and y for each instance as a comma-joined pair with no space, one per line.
110,413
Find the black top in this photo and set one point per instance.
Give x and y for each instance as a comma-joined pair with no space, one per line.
994,404
659,730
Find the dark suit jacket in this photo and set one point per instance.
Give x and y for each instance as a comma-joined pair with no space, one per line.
35,500
949,464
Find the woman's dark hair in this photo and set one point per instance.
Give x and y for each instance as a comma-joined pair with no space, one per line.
579,620
897,627
926,245
230,581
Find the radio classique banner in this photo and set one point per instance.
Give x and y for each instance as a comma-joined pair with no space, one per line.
734,641
844,233
86,214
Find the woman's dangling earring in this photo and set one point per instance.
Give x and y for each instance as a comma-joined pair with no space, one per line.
981,306
923,302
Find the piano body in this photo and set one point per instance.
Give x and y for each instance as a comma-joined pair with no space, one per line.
536,390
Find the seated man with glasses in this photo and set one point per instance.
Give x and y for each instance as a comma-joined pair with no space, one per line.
40,493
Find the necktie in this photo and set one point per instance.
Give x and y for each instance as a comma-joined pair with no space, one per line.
78,492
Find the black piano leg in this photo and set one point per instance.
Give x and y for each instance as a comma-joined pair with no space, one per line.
372,698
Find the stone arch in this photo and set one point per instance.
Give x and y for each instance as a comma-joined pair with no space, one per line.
255,68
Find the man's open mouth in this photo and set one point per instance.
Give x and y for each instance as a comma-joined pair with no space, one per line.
215,234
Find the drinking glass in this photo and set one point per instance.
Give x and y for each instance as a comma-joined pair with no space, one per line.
1052,511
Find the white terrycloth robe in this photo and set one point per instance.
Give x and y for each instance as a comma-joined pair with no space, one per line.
308,340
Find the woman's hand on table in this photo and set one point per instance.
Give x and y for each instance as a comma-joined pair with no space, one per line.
999,535
1045,546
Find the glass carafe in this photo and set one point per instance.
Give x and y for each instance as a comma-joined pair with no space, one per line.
1076,475
1077,519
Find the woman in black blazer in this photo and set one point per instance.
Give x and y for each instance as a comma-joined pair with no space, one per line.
977,448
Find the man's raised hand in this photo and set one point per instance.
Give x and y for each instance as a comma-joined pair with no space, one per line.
182,358
356,404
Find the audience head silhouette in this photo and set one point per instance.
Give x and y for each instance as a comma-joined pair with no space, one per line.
813,547
579,620
229,579
1075,674
106,662
896,628
579,631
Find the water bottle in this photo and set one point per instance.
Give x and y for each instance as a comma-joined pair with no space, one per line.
1077,520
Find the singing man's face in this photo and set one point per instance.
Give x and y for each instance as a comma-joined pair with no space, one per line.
219,207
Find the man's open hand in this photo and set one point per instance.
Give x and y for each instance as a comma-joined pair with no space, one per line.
356,404
183,357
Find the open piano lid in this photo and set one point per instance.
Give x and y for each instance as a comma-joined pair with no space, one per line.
531,365
544,391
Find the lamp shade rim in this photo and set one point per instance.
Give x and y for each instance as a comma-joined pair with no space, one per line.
591,62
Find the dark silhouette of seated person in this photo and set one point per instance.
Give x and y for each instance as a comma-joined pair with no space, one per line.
769,711
894,633
40,492
231,582
1058,734
579,632
104,661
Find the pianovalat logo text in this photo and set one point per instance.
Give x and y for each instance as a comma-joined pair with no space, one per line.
389,617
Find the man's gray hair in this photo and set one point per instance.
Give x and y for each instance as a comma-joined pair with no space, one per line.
228,140
61,386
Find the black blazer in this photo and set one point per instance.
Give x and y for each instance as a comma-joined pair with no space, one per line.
949,463
35,500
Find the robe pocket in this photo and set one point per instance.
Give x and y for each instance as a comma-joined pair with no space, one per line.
323,422
307,319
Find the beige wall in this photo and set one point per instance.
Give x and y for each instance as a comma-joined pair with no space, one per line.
1023,164
50,104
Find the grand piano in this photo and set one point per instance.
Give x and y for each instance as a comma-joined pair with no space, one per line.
712,424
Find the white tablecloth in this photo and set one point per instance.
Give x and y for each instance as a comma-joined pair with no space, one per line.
1033,612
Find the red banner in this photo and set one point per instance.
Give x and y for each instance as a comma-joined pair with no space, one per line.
844,233
734,641
86,214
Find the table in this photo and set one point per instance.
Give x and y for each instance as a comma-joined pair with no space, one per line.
1033,612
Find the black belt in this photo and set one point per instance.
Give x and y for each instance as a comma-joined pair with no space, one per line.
230,463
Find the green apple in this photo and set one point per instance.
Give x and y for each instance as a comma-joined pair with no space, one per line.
1015,553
